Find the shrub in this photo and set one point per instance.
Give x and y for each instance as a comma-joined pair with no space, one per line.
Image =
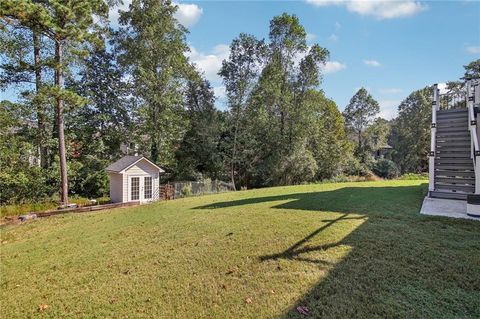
21,186
353,167
296,168
187,190
386,168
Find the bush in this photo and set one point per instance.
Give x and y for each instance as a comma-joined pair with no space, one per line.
386,168
297,168
353,167
187,190
21,186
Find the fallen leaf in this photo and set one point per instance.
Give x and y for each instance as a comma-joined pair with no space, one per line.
42,307
303,310
248,301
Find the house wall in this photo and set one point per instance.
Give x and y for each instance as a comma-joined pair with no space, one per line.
142,168
116,183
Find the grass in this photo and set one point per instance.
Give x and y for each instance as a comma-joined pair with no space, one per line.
351,250
19,209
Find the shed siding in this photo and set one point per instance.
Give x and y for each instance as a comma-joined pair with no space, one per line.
125,187
116,187
142,168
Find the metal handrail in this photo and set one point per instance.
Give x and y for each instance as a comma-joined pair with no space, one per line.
473,132
472,123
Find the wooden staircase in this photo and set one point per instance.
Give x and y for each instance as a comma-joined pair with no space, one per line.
454,168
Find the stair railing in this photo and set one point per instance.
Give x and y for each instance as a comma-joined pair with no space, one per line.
473,86
431,159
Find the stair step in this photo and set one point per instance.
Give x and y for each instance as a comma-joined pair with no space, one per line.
455,180
450,161
441,151
451,111
460,135
454,143
443,126
452,119
441,115
459,167
454,148
442,130
451,154
457,188
459,120
448,195
453,173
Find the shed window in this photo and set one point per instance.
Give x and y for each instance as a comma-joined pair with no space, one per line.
135,189
148,187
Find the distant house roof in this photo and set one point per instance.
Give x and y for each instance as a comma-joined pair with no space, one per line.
385,146
128,161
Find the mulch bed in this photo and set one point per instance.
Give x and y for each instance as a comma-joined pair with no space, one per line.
12,220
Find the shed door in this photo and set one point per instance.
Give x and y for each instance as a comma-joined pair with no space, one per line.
134,188
147,187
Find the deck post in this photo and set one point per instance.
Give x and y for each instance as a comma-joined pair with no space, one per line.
431,158
473,98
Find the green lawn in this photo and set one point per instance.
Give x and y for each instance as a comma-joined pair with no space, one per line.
351,250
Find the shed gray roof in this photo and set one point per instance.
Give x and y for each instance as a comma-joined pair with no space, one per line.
126,162
123,163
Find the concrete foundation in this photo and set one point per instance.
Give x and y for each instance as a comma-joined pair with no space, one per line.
445,207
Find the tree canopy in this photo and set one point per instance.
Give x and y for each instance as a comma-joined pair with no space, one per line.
89,95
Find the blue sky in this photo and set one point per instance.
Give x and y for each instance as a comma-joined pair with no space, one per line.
389,47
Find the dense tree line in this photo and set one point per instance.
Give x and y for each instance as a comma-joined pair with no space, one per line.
89,95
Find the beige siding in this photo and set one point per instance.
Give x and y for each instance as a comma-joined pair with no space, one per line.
142,168
116,187
125,187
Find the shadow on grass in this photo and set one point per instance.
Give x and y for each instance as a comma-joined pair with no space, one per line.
358,200
400,264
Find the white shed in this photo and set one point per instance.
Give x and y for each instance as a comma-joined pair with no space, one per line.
134,178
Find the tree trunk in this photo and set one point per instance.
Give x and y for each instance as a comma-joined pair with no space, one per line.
234,154
359,140
60,125
41,119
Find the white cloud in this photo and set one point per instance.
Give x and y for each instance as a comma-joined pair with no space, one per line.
442,87
333,67
311,37
188,14
380,9
388,108
210,63
221,95
333,37
337,26
390,91
473,49
372,63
